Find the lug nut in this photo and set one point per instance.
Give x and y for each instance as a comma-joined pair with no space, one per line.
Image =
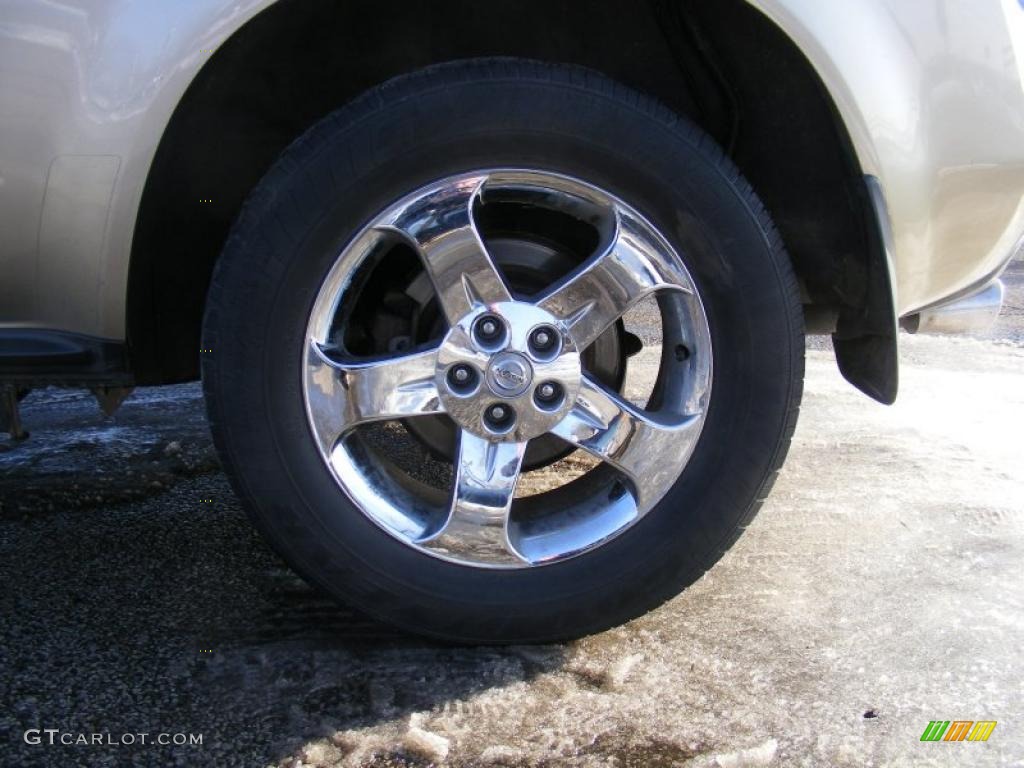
543,339
499,417
489,329
461,377
548,393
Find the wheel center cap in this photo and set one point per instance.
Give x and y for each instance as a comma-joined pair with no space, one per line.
509,374
488,387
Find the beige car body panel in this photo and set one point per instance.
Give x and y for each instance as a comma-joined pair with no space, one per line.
930,91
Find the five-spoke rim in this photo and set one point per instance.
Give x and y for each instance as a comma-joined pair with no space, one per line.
507,370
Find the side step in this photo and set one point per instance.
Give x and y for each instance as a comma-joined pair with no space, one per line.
38,357
43,355
10,419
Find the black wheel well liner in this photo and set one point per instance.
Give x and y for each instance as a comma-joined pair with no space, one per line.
723,64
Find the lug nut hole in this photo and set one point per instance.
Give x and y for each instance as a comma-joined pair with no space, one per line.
544,341
549,395
489,330
499,417
462,378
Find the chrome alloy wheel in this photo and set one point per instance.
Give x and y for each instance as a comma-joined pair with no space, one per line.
509,369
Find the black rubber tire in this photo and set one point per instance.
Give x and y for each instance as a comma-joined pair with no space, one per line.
434,123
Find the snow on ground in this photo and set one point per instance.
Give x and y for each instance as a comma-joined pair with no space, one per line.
880,588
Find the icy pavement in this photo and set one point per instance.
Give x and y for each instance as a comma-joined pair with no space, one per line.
881,587
76,458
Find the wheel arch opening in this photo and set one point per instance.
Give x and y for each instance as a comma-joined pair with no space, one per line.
723,64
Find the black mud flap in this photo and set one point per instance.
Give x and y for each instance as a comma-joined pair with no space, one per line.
866,342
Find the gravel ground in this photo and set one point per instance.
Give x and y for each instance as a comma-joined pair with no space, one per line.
880,587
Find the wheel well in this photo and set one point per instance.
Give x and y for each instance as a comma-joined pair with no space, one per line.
723,64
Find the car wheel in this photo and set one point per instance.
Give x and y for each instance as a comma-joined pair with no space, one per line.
420,371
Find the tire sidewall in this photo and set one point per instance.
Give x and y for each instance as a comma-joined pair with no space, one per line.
360,161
